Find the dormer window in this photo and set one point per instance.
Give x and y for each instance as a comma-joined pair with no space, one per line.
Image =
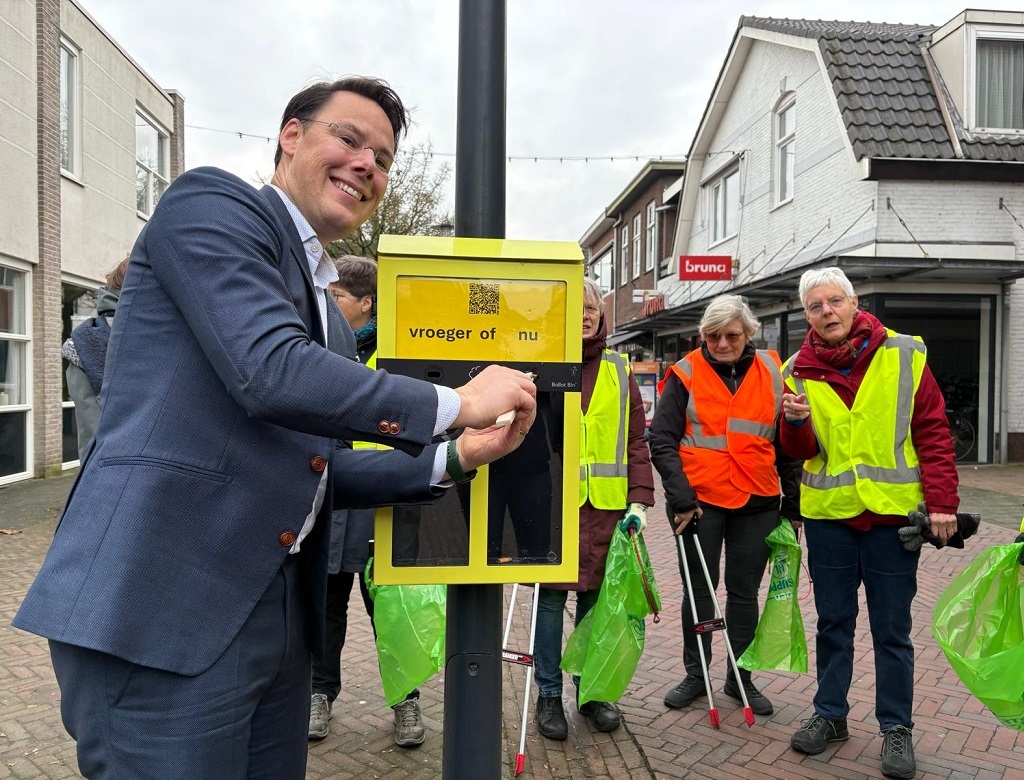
999,95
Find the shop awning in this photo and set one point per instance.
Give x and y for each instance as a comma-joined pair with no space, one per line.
621,336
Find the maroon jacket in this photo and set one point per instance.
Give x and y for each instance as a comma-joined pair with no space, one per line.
929,428
598,525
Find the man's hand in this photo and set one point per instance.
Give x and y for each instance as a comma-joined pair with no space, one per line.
491,393
686,522
635,518
477,446
795,407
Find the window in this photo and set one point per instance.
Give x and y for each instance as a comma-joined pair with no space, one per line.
637,246
152,162
651,251
999,91
68,107
15,364
602,269
624,259
725,205
785,135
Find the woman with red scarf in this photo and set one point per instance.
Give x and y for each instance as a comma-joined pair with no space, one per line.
866,416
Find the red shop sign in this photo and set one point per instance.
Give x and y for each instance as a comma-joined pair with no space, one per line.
705,267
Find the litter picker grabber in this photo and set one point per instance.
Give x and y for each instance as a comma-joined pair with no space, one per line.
717,623
526,659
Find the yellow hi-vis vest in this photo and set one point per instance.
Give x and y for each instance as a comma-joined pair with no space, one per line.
603,431
371,362
865,458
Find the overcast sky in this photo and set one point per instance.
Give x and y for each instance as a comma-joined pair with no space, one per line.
586,78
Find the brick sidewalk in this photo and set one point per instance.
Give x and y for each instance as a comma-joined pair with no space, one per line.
955,737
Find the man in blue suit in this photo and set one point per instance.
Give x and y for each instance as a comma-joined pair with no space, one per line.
183,593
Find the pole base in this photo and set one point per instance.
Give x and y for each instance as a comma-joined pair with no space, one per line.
713,716
520,763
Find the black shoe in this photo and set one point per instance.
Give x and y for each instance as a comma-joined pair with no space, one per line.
689,689
813,737
759,703
551,717
898,753
602,715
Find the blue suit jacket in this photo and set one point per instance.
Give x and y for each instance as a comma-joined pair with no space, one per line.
221,408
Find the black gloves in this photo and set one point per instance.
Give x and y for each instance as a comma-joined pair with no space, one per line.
919,531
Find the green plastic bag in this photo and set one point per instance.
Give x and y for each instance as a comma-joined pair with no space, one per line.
779,640
979,624
410,625
606,646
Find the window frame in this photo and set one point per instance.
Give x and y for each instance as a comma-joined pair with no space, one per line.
637,246
604,266
25,339
712,188
975,33
69,93
623,254
651,212
164,152
784,144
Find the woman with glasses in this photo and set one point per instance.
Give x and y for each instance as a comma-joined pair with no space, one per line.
713,441
866,416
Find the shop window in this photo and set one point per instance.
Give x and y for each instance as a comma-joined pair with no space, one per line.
15,363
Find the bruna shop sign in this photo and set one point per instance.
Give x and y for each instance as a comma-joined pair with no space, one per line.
705,267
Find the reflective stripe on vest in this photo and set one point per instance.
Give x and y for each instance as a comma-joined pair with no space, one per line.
866,459
371,362
603,430
726,448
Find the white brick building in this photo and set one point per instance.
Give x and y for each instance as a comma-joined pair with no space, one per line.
88,142
886,150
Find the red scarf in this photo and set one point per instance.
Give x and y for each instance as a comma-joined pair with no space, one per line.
843,354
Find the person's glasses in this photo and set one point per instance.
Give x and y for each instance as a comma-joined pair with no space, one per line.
732,338
353,140
592,309
835,302
340,295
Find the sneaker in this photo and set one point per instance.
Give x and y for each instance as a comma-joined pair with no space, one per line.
551,717
689,689
759,703
320,712
898,753
602,715
409,731
813,737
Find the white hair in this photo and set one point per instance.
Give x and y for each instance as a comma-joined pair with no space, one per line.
723,310
819,277
592,294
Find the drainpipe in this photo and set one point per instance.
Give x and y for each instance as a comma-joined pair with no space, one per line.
616,282
1004,381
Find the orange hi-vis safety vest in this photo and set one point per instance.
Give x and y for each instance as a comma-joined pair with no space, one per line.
727,446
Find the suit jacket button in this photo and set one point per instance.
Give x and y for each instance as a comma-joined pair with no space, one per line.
394,428
318,464
287,538
384,426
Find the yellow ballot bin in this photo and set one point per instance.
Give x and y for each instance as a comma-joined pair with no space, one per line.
446,308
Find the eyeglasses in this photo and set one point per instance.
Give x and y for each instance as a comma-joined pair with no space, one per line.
835,302
353,140
592,309
732,338
340,295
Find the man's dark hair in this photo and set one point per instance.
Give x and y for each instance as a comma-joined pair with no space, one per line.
305,105
357,275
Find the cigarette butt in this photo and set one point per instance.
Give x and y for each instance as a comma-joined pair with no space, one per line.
505,418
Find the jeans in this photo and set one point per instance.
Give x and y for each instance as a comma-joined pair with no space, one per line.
840,559
746,556
547,645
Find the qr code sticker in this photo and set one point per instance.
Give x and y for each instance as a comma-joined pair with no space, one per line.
483,298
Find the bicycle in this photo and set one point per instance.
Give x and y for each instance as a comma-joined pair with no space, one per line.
962,433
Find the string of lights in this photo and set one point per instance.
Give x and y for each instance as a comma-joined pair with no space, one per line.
512,157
